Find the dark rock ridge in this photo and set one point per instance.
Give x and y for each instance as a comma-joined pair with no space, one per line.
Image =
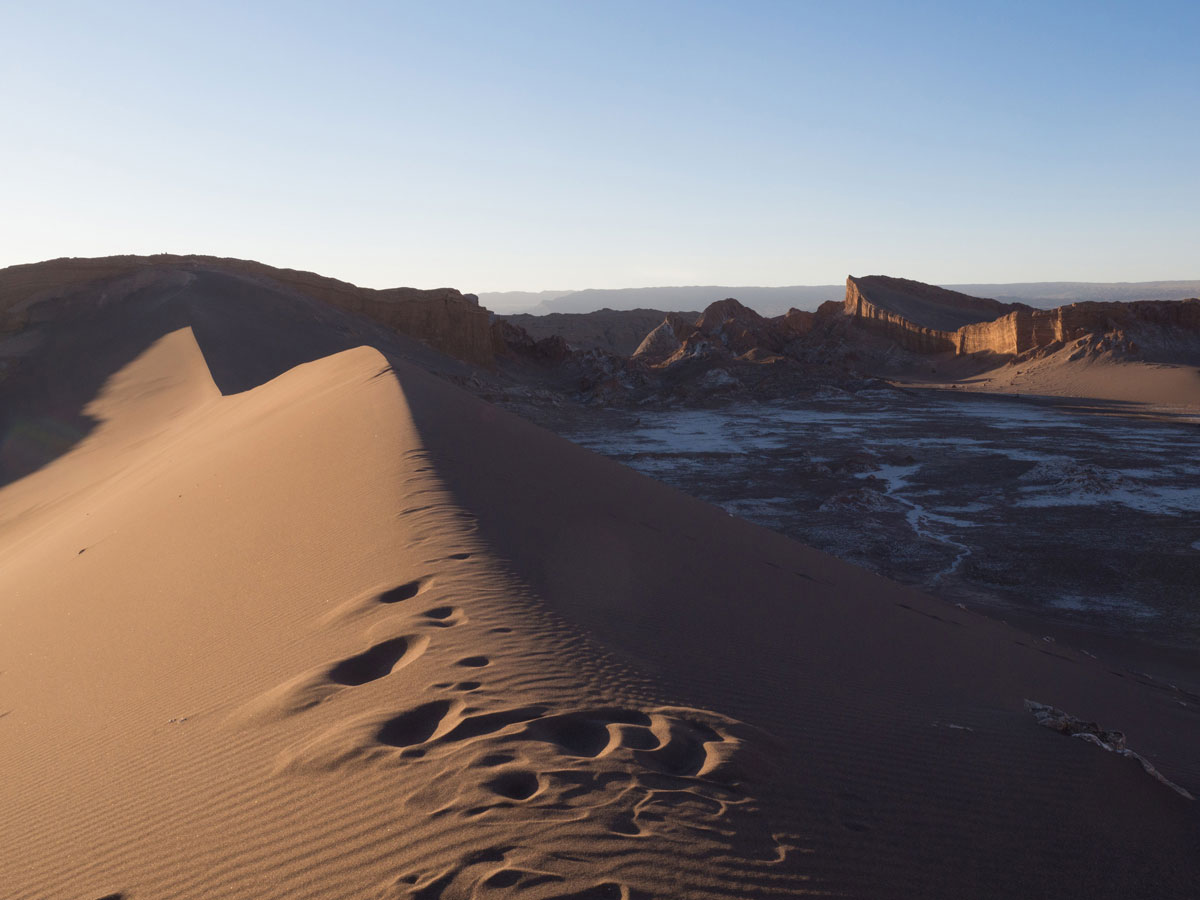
767,300
445,318
513,341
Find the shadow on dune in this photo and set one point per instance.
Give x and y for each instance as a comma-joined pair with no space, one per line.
830,659
249,332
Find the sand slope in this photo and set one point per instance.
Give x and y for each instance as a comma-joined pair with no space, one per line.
262,654
1147,383
353,633
1139,385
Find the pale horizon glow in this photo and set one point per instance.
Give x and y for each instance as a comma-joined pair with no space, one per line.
497,146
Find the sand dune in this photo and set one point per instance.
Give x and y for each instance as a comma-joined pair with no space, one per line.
1146,383
350,632
1139,386
264,654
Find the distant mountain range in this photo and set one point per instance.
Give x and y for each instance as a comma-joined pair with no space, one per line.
513,302
773,301
670,299
1049,294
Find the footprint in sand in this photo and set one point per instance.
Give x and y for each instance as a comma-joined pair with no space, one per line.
492,760
416,725
492,870
366,602
585,733
515,784
489,723
402,592
318,685
607,890
378,661
444,720
662,741
444,616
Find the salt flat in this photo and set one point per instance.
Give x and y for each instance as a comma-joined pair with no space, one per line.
1001,502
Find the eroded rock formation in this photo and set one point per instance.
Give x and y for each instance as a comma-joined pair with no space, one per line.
512,340
920,317
928,319
726,325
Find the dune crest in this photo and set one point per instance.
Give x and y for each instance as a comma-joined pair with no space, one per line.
199,692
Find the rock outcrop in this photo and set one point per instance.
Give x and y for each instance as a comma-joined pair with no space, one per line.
730,350
513,341
617,331
665,340
727,326
1113,741
446,319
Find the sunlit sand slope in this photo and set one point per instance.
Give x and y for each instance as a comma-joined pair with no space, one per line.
1153,384
253,649
353,633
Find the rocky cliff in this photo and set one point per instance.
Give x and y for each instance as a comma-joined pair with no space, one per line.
928,319
920,317
444,318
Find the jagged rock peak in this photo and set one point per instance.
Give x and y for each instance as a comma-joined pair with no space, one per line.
666,339
722,311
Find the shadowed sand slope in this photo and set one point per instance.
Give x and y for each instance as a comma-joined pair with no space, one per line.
250,331
353,633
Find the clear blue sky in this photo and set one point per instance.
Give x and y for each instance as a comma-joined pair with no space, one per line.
529,145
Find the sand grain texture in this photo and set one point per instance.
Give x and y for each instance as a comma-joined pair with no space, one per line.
350,632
